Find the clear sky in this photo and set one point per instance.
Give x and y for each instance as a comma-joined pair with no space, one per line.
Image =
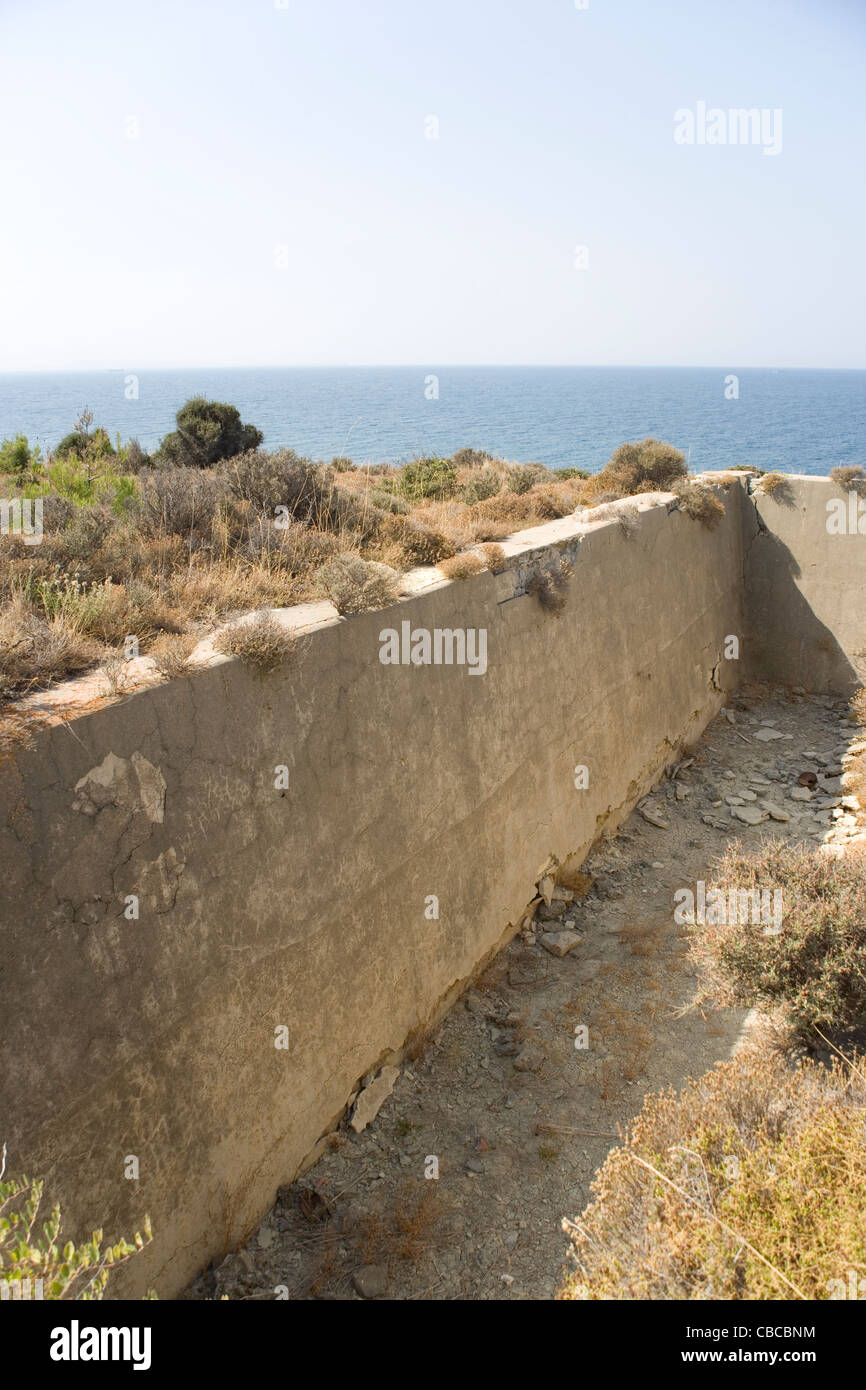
282,205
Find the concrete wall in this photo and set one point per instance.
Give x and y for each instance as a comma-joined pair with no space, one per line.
305,906
805,580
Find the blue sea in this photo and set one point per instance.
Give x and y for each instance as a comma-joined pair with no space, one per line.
791,420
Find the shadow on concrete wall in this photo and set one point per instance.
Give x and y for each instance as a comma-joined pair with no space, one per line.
786,643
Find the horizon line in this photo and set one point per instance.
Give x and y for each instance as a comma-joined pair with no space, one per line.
425,366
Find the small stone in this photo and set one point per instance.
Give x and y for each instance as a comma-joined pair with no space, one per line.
766,734
750,814
559,943
506,1047
371,1281
734,801
372,1098
775,812
550,912
546,887
653,818
682,792
801,794
745,795
510,1239
530,1059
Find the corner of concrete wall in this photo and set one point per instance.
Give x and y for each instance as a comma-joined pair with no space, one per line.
805,584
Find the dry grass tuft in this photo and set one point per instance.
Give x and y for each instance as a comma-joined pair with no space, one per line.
700,502
260,642
356,586
494,557
171,652
461,566
551,588
852,478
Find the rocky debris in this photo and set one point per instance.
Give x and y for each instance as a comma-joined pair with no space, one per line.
371,1281
751,815
767,734
372,1098
653,817
559,943
800,794
775,812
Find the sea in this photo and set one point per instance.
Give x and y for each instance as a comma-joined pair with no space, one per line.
793,421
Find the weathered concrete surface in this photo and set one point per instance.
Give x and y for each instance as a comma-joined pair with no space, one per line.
307,907
805,581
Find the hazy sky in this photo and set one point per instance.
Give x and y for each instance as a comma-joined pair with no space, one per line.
282,205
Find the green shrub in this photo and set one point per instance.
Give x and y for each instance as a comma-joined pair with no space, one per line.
564,473
82,444
207,431
470,458
17,457
485,483
67,1271
813,971
520,478
428,477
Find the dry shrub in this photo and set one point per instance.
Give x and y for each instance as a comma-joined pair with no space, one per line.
461,566
354,585
171,652
814,970
775,484
700,502
551,503
494,557
261,642
115,668
417,544
551,588
214,590
648,466
747,1185
852,478
36,649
